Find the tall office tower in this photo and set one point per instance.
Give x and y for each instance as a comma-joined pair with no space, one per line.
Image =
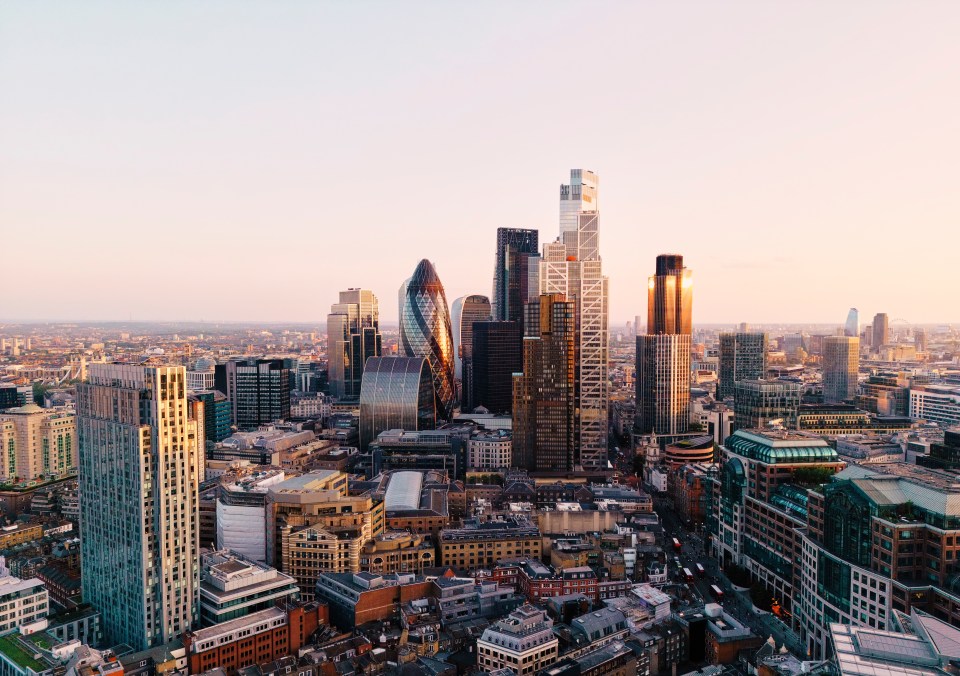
920,339
841,364
259,391
516,248
663,354
397,394
852,327
881,330
353,336
743,356
497,355
140,468
425,331
466,311
571,267
544,394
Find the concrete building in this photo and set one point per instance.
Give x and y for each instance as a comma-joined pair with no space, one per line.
398,552
232,586
241,511
25,603
743,356
480,544
358,598
841,365
490,450
936,403
140,468
523,641
37,442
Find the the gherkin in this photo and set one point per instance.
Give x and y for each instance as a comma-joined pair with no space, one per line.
425,331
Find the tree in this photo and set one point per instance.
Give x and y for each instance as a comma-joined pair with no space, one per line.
812,476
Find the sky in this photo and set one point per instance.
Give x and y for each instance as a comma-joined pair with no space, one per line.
246,161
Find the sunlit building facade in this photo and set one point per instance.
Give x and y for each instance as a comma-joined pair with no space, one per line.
743,356
426,331
37,442
841,365
397,393
353,336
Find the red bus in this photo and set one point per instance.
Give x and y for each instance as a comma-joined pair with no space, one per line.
716,591
700,571
676,545
688,576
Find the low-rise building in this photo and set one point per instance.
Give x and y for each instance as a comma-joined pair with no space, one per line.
358,598
480,544
232,586
398,552
524,642
490,450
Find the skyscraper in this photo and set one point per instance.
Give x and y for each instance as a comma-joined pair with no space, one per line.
852,327
466,311
841,364
743,356
516,248
544,394
397,393
571,267
258,390
881,330
663,354
497,355
425,331
140,468
757,403
353,336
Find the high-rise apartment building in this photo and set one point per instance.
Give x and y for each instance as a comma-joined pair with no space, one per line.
881,330
852,328
258,390
37,442
571,267
353,336
467,310
743,356
497,355
663,354
841,364
517,257
544,394
425,331
140,468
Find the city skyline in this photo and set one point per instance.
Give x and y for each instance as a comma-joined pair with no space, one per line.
788,156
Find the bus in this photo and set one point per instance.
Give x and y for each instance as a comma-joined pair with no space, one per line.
687,575
700,571
716,592
676,545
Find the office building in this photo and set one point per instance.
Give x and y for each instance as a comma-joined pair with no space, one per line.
24,602
467,310
517,257
936,403
480,544
544,395
943,455
358,598
758,403
490,450
844,419
523,642
571,267
353,336
497,355
920,339
852,328
217,413
37,442
918,644
443,449
885,394
232,586
841,366
425,331
140,467
258,390
881,331
663,354
398,552
396,393
743,356
241,514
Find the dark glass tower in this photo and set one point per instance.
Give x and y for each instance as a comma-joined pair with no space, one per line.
743,356
259,391
497,355
511,280
425,331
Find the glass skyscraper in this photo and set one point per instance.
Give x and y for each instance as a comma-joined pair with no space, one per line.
353,336
852,328
571,267
743,356
259,391
466,311
425,331
517,255
397,393
497,355
140,470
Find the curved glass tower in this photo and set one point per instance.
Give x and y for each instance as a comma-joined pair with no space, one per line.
396,393
425,331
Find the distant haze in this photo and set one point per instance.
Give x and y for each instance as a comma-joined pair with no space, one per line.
246,161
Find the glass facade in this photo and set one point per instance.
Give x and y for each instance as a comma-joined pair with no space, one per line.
353,336
426,331
515,249
497,355
397,393
743,356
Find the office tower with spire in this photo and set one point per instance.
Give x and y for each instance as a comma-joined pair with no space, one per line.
517,256
743,356
852,328
353,336
571,267
467,310
841,365
663,354
881,331
140,469
544,394
425,331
